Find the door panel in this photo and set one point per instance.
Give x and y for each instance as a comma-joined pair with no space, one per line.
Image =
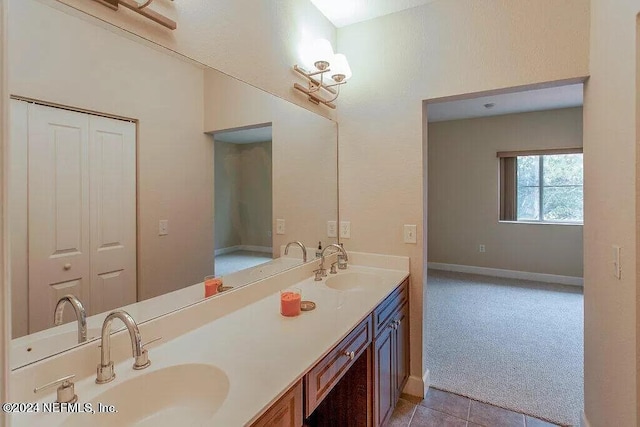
58,208
402,349
81,211
383,377
113,213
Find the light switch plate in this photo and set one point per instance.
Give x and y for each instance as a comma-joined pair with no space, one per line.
617,268
163,227
279,226
410,233
332,229
345,229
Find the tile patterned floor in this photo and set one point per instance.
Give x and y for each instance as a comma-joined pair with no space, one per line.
443,409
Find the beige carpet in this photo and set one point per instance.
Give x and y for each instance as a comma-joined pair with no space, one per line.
512,343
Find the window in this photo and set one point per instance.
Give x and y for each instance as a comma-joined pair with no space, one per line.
542,186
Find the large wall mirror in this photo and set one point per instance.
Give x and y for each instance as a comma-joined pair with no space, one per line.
135,173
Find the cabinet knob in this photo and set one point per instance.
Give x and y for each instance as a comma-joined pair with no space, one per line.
67,266
350,354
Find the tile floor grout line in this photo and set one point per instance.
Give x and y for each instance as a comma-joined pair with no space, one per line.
468,410
415,408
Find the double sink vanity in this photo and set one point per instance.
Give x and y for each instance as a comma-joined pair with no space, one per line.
233,360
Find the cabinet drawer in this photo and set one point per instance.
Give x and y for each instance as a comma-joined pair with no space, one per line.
384,312
321,379
286,412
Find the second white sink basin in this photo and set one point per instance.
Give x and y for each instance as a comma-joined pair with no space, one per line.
351,281
182,395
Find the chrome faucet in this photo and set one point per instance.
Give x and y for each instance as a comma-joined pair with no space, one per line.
304,250
322,272
140,354
78,308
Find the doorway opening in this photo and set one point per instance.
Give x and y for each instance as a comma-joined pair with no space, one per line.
504,306
242,198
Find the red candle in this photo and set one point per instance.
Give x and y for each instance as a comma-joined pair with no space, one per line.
290,303
211,285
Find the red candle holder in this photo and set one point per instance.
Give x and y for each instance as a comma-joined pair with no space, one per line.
290,299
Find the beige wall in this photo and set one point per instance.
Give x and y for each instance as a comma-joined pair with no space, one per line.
611,216
255,41
463,194
243,193
441,49
114,75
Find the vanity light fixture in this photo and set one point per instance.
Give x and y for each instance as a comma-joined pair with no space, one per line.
324,71
140,6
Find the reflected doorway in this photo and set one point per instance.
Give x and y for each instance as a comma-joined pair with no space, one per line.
243,203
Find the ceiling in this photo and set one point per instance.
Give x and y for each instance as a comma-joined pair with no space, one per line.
508,103
346,12
244,136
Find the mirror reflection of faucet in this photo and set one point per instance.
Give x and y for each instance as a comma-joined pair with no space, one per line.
78,308
304,250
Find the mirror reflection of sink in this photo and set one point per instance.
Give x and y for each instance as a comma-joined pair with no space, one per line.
181,395
351,281
28,351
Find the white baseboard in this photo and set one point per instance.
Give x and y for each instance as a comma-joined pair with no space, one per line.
584,422
236,248
265,249
509,274
417,386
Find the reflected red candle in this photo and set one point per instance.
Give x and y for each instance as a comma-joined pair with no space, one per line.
211,286
290,303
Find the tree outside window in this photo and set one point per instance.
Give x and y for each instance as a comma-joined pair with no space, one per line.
550,188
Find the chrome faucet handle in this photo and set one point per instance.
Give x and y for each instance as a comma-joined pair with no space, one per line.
320,273
65,392
333,268
143,361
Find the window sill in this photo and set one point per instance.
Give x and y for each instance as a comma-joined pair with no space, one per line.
542,223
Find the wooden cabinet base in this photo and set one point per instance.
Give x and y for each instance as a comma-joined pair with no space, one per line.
349,403
286,412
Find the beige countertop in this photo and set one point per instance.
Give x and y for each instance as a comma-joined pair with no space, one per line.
260,352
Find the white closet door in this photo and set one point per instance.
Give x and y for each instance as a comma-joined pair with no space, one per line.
113,213
59,215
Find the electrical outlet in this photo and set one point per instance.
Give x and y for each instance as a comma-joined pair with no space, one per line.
279,226
410,233
163,227
482,248
332,229
345,229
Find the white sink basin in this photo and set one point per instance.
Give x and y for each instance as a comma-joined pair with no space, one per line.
351,281
182,395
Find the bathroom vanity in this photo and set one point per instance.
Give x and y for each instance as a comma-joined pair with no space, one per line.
234,360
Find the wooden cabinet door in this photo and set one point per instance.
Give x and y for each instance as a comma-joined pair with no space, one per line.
384,384
286,412
401,333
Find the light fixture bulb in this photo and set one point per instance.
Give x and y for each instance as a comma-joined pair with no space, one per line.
321,54
340,70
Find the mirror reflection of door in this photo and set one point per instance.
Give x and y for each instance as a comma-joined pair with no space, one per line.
79,172
243,198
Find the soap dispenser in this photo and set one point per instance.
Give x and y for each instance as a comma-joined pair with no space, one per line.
319,250
342,260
